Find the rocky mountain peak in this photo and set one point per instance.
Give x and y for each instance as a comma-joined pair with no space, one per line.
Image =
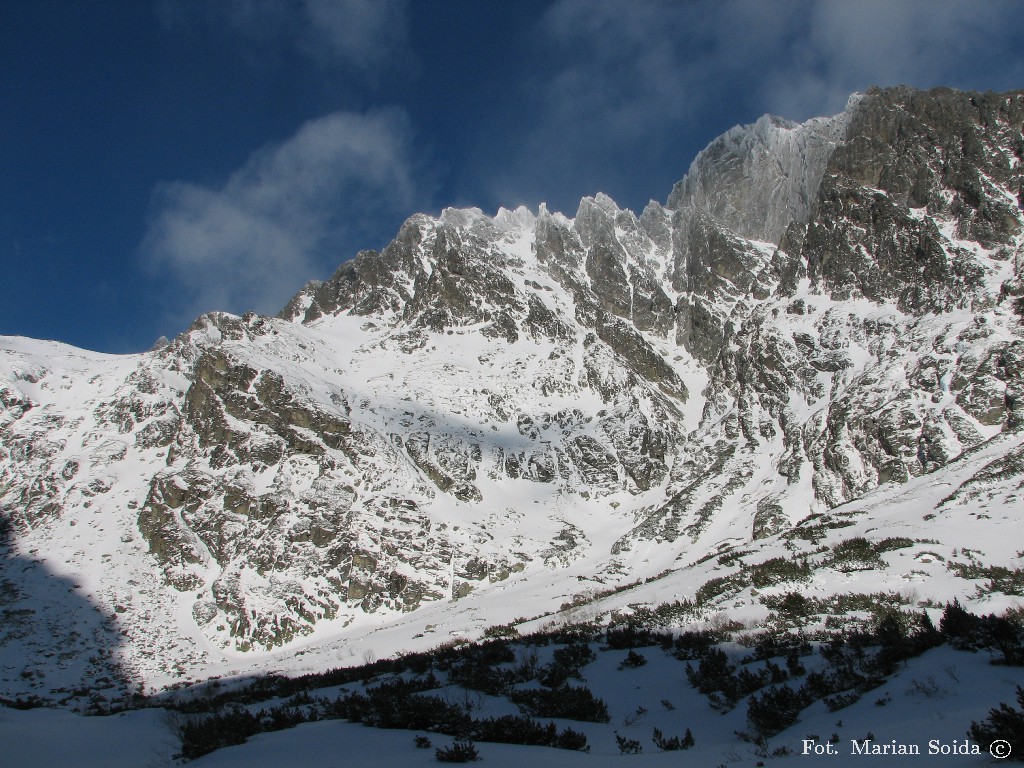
921,203
755,180
531,402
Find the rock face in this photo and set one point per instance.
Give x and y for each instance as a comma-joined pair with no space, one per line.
819,309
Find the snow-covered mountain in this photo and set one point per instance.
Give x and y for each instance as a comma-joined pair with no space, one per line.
817,339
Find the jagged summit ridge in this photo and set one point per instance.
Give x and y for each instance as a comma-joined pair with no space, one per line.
518,404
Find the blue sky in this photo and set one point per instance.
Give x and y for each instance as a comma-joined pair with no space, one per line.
163,158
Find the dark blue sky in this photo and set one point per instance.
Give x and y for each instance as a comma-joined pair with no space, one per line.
161,159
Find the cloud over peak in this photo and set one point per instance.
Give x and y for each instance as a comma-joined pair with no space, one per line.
292,211
636,80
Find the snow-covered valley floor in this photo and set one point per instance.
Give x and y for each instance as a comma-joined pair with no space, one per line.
928,704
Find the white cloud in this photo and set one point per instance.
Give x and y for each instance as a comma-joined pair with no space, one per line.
362,34
292,212
365,32
658,58
849,46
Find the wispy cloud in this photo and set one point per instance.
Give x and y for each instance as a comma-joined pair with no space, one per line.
623,82
364,32
844,47
292,211
653,57
362,35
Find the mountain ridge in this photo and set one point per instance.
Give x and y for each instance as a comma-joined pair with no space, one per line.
526,402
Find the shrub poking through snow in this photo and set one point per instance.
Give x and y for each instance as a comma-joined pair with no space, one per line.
569,702
964,630
632,661
458,752
1004,723
406,692
516,729
774,710
673,743
202,736
628,746
574,657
